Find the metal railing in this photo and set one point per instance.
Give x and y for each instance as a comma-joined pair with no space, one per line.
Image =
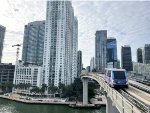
135,101
121,103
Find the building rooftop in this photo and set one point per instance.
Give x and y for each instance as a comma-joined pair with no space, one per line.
2,27
147,45
126,46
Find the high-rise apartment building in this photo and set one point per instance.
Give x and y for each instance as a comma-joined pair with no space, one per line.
126,58
2,35
92,64
100,50
79,63
60,44
111,53
146,54
33,43
140,55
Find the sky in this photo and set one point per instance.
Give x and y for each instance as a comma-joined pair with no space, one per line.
127,21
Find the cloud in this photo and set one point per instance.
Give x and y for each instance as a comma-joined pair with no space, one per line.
128,22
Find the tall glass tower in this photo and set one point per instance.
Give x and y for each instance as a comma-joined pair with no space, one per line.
60,44
2,35
126,58
139,55
100,50
111,53
146,54
33,43
79,63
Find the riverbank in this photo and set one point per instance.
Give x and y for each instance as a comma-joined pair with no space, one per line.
18,98
7,106
51,101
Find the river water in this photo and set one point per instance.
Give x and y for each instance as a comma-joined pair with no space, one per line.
7,106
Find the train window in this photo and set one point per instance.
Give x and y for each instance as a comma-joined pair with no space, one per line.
119,75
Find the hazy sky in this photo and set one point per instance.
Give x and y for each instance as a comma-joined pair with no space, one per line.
128,22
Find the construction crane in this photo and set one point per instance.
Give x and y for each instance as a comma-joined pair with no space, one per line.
18,48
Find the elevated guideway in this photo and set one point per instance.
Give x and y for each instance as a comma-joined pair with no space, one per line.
141,98
139,86
116,102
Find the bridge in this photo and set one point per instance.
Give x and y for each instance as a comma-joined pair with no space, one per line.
131,100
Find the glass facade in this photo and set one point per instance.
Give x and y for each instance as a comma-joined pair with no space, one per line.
147,54
139,55
6,74
112,52
33,43
126,58
2,35
79,63
100,50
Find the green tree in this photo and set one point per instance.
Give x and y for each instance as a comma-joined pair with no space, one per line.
44,88
53,89
76,89
35,90
91,87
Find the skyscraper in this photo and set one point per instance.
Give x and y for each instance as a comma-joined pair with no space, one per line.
92,64
100,50
2,35
60,44
75,48
139,55
111,53
126,58
146,54
79,63
33,43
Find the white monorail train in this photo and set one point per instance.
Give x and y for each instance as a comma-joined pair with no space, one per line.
116,77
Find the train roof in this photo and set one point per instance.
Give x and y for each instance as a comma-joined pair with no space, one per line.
115,69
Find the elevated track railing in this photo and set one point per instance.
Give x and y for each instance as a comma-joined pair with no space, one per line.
142,106
121,103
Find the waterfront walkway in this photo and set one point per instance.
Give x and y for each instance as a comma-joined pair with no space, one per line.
29,100
53,101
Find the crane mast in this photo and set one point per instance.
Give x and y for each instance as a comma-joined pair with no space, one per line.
17,52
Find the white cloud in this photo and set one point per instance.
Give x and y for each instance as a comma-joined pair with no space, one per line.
129,22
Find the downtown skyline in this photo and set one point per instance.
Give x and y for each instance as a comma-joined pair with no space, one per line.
115,17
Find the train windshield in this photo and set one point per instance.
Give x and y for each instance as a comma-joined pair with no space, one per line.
119,75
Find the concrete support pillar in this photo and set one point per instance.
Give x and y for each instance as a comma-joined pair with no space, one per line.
148,108
111,108
85,91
